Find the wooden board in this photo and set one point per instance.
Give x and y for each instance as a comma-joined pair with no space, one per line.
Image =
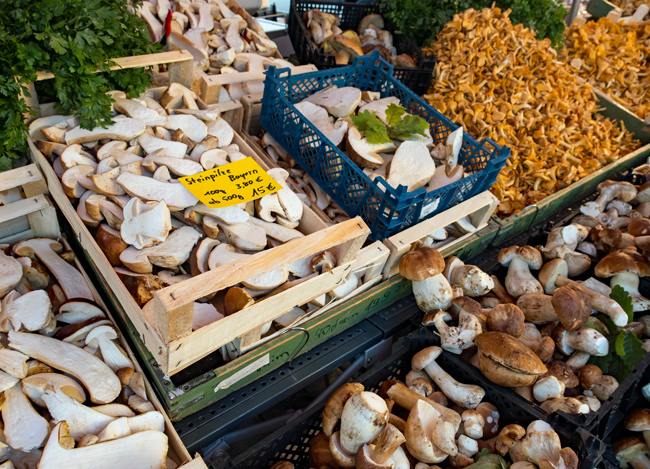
633,123
29,178
211,84
479,209
172,341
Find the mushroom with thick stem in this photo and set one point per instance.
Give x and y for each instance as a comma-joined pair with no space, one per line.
174,251
427,433
457,339
465,395
11,271
599,302
519,261
142,449
547,387
424,267
407,398
625,267
334,406
506,318
605,387
34,386
572,307
470,278
542,443
339,102
632,452
100,381
379,454
69,278
145,224
569,405
102,337
31,311
363,417
473,423
363,153
319,117
584,339
411,166
609,190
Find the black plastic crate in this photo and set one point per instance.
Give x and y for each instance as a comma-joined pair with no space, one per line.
307,52
291,442
598,422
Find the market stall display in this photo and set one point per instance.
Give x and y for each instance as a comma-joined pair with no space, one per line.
613,57
69,378
515,92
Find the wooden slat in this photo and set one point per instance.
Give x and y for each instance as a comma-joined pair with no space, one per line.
138,61
28,177
479,208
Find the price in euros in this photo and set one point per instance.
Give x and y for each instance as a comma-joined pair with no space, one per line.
261,190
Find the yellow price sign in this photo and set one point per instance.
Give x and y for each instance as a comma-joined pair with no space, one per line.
231,184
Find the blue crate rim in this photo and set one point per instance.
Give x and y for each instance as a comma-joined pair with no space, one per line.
498,152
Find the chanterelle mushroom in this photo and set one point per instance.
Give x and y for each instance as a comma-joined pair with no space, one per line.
519,261
424,267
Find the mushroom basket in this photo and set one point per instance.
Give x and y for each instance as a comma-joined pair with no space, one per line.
27,215
291,442
386,210
351,15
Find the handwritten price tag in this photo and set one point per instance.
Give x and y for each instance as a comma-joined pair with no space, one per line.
231,184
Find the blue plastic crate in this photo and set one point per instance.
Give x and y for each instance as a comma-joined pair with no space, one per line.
385,209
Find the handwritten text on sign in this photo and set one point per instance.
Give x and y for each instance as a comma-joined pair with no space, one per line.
231,184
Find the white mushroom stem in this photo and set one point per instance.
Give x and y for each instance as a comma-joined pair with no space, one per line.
465,395
433,293
24,428
588,340
144,449
548,387
101,337
629,281
519,280
100,381
82,419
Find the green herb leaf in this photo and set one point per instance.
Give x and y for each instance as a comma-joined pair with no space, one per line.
633,351
624,299
409,126
619,344
486,460
373,129
394,113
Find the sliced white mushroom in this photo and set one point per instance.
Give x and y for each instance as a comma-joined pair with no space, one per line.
229,215
139,111
34,386
411,166
222,130
13,363
339,102
74,155
125,426
142,449
204,314
24,428
172,252
321,120
224,254
178,166
11,271
176,196
31,311
122,129
151,144
145,225
195,129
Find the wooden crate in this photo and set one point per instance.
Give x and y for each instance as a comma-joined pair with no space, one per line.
534,214
172,340
479,209
34,210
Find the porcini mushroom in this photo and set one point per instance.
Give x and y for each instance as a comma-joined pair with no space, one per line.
465,395
625,268
424,267
519,261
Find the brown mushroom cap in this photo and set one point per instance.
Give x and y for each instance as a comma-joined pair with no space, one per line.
506,318
421,264
526,253
562,372
425,356
340,42
572,307
610,239
639,227
620,190
507,361
638,420
622,261
464,303
589,375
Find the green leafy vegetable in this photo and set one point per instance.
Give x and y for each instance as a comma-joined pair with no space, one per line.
486,460
71,39
624,299
400,126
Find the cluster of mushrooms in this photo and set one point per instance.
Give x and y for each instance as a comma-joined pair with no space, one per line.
536,333
70,395
155,233
613,57
512,89
324,30
221,37
414,163
633,450
428,421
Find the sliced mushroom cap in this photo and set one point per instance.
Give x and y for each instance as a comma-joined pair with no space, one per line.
176,196
122,129
145,224
363,153
34,386
339,102
411,166
11,271
175,250
319,117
